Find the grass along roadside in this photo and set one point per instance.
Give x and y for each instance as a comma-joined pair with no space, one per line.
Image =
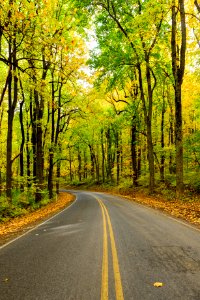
19,225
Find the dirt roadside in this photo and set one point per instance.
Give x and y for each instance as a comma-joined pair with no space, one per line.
17,226
188,211
184,209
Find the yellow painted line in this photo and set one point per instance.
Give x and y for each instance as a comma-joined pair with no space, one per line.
117,276
104,282
118,282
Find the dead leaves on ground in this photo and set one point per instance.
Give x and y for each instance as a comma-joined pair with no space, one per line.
158,284
22,222
189,211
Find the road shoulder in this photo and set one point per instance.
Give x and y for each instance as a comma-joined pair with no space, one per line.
18,226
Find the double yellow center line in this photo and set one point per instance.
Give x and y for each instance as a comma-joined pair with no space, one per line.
117,276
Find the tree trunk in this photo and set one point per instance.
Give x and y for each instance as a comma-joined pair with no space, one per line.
39,149
11,110
139,154
70,165
92,157
117,155
103,157
109,155
178,68
21,157
1,118
58,172
33,137
85,165
134,153
0,183
51,150
148,117
162,160
79,165
96,158
28,158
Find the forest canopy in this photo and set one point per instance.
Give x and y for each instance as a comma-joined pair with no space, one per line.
97,92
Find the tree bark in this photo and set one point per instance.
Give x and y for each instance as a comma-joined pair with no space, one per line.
109,155
12,102
162,160
148,117
103,156
197,5
21,157
178,68
117,155
79,165
58,172
1,118
51,150
134,153
92,157
85,165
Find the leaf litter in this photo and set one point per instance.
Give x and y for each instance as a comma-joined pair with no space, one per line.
19,225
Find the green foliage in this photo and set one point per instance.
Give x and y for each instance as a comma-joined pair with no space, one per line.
8,210
192,181
88,122
22,203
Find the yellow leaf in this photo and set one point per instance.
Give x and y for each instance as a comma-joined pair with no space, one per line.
158,284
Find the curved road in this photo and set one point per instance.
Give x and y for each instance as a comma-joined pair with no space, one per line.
103,247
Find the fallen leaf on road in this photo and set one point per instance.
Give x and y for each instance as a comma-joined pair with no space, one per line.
158,284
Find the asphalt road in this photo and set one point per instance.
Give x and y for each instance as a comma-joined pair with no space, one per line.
103,247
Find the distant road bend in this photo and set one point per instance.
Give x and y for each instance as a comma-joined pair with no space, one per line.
103,247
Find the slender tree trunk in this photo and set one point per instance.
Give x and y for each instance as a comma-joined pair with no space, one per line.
139,154
11,110
28,158
117,155
9,132
51,150
39,149
9,155
57,132
121,155
162,161
109,155
178,68
171,137
92,157
85,165
70,165
1,118
103,156
134,153
96,159
21,157
148,117
79,165
58,173
0,182
197,5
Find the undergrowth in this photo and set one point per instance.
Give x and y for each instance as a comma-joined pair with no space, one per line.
22,203
166,190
